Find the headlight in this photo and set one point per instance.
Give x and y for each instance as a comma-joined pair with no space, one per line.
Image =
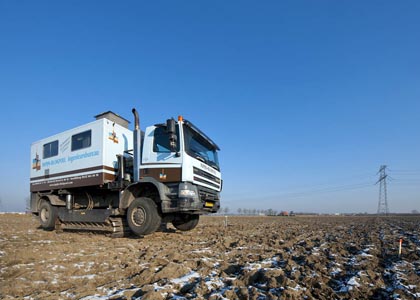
186,193
187,190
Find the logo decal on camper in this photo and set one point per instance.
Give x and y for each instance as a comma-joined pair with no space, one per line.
162,175
36,163
65,145
113,137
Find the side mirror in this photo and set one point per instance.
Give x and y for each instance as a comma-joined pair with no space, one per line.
170,129
170,126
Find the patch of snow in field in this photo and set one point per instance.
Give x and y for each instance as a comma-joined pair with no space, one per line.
297,288
335,271
87,266
68,294
252,266
265,264
87,276
158,287
2,253
23,265
204,250
199,243
352,261
95,297
56,267
43,242
213,283
176,297
186,278
113,292
353,282
396,274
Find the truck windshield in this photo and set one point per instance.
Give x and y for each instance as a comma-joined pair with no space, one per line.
198,147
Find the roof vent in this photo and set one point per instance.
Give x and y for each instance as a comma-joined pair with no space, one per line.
113,117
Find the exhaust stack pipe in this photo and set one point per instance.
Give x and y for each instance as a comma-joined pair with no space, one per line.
137,146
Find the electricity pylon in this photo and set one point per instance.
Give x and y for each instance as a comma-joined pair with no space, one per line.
383,201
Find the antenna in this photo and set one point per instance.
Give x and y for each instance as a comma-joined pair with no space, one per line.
383,201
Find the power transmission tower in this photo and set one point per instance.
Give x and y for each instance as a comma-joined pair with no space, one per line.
383,201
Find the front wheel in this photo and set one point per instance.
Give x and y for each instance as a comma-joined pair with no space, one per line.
48,215
186,222
143,216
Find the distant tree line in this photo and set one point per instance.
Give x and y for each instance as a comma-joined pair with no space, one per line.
257,212
250,212
272,212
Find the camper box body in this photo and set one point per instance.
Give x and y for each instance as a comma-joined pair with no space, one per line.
80,157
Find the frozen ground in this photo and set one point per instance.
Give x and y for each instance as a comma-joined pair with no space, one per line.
252,258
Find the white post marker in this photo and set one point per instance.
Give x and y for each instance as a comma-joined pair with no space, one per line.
226,221
399,250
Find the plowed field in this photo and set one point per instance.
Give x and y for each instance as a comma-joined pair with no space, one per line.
251,258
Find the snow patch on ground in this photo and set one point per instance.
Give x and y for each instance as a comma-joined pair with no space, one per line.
186,278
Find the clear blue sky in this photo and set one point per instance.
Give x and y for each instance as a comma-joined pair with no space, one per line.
305,98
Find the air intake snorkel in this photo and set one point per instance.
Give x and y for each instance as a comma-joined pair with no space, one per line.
137,146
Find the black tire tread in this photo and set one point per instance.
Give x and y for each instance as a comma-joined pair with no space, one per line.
187,223
152,214
50,224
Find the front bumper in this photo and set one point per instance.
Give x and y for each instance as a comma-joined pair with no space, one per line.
193,199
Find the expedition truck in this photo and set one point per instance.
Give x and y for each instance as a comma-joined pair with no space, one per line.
102,176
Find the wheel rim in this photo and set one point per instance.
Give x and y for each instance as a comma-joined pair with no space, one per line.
138,216
45,215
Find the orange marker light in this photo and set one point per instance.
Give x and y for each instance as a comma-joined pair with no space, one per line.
180,118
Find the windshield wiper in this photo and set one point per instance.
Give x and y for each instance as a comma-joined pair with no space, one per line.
213,164
200,158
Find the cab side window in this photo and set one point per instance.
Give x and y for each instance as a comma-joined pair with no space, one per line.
161,140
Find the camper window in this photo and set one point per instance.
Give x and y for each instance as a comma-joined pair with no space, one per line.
81,140
50,149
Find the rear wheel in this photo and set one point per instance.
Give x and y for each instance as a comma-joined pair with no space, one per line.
143,216
48,215
186,222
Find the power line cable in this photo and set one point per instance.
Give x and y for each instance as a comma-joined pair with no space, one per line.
318,191
408,172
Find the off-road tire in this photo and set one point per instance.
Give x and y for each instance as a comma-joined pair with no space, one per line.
48,215
143,216
186,222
